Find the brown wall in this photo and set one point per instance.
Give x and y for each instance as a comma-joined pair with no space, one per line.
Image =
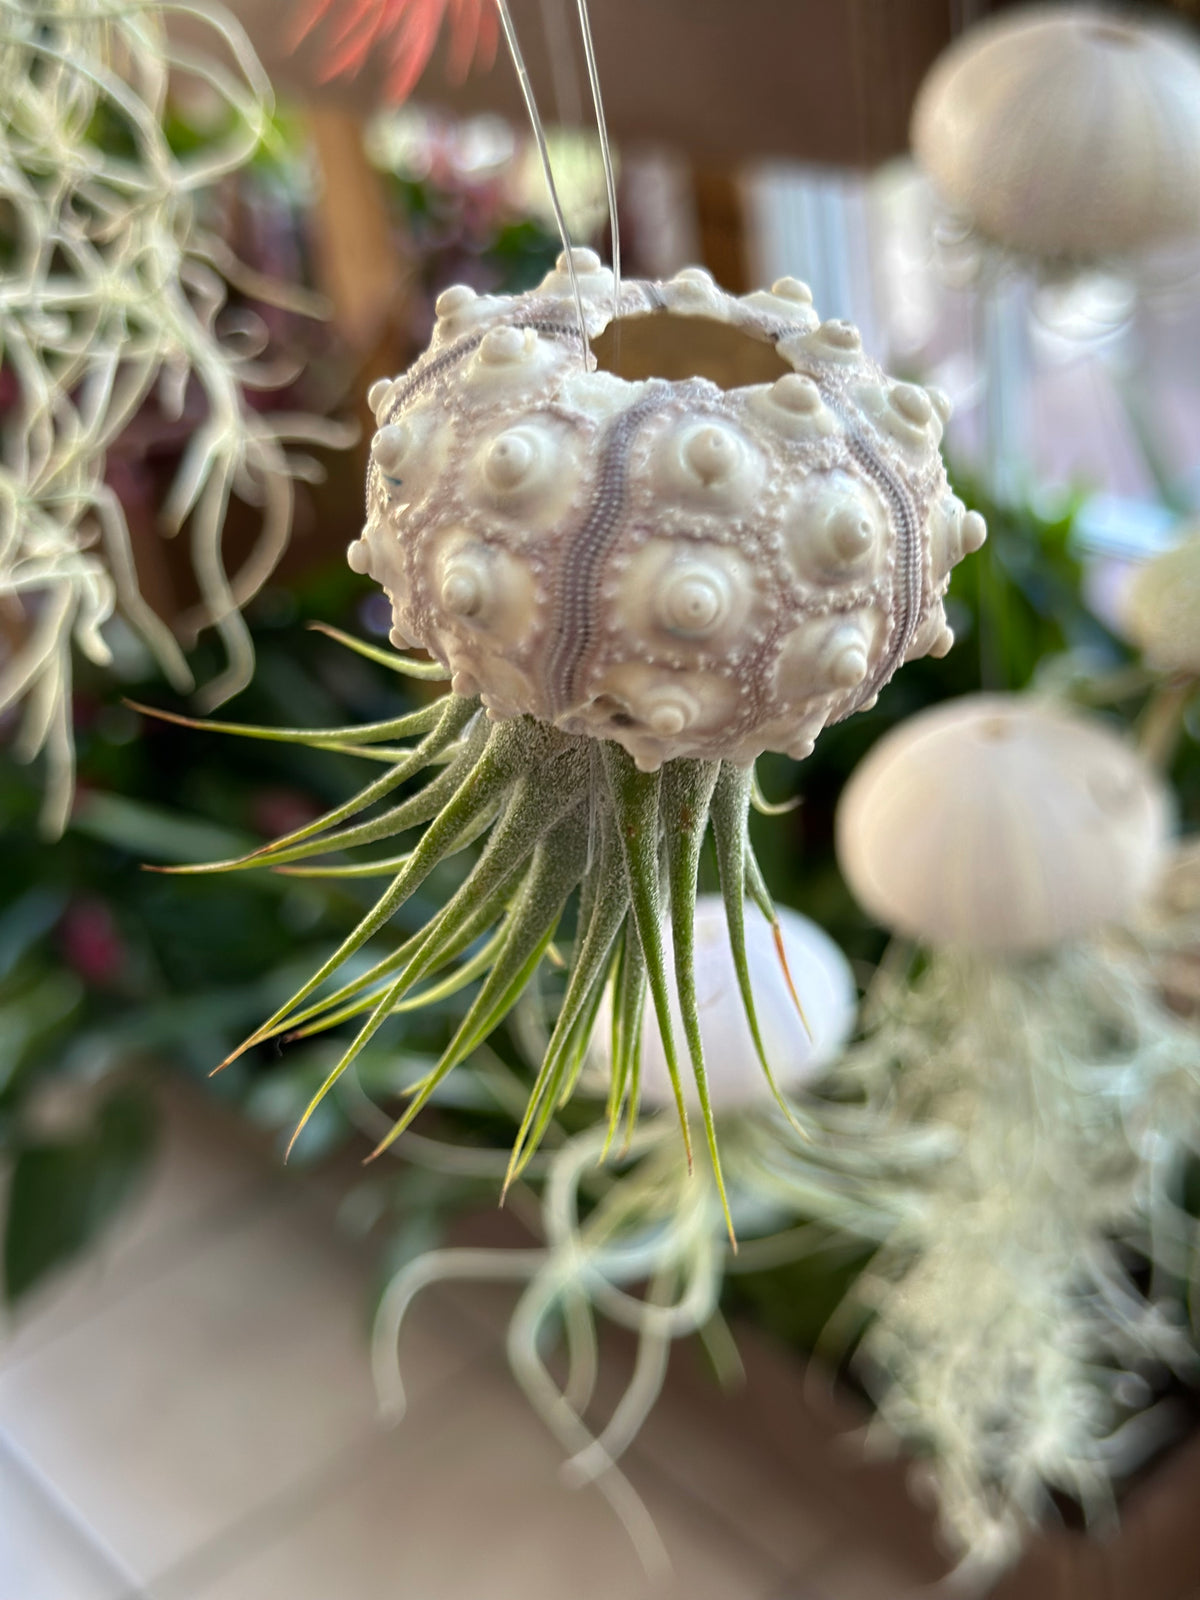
819,80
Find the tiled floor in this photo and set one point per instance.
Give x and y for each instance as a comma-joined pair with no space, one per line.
190,1417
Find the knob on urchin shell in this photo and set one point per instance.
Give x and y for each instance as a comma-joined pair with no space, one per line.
729,532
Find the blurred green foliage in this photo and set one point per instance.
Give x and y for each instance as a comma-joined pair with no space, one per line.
108,971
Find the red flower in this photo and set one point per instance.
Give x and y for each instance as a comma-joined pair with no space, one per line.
92,944
406,29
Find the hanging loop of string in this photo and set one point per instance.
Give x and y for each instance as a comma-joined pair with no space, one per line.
610,178
539,134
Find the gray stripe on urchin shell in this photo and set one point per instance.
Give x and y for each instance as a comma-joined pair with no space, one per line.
909,591
575,589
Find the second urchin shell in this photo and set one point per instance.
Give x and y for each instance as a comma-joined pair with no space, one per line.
726,535
799,1044
1066,132
1002,823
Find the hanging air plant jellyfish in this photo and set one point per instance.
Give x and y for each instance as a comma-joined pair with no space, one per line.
643,1242
1013,839
1066,134
707,531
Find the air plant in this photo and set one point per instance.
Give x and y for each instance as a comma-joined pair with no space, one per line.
113,299
1014,840
640,568
1169,927
1060,139
641,1242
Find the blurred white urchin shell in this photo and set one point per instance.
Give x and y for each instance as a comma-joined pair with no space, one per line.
824,985
727,536
1162,609
998,823
1066,133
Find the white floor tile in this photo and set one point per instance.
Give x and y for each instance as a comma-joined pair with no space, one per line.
856,1572
43,1555
205,1172
198,1397
722,1468
463,1501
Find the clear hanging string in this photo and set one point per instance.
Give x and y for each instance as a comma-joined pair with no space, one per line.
610,177
539,135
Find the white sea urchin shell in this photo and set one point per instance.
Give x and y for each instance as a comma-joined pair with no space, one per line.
1000,823
717,554
824,983
1066,132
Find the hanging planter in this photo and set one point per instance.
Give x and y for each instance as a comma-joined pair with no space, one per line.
1014,840
647,536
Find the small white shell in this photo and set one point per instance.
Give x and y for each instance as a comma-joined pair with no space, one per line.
998,823
1066,132
1162,610
736,1081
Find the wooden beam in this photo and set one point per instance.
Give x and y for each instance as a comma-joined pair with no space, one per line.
357,261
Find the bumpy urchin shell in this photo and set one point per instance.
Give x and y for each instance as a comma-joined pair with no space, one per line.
692,568
1003,824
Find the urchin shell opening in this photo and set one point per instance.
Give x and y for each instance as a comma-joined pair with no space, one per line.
664,345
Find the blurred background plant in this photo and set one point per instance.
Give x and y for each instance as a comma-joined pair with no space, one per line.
116,321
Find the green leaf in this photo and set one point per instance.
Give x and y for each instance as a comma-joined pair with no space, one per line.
637,799
153,832
63,1195
31,1015
432,671
25,922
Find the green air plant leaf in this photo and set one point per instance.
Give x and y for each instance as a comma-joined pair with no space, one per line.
558,815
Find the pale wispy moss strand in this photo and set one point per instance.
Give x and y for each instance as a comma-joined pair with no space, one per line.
111,298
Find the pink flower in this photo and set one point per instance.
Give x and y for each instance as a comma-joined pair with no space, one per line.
406,29
92,944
